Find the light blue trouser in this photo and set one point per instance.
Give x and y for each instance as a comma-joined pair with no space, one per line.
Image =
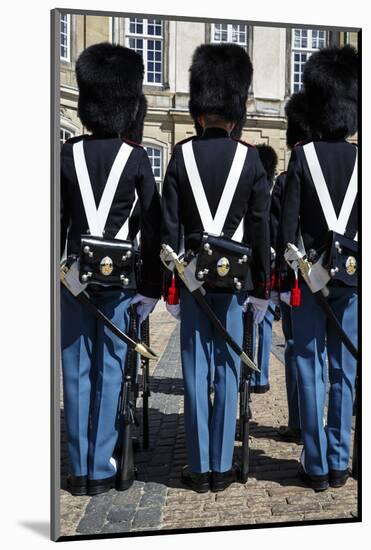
264,349
93,363
290,369
210,429
325,447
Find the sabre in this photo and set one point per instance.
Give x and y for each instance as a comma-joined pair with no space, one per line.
185,271
295,257
70,279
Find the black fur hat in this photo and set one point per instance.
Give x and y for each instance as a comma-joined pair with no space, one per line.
238,127
298,128
330,82
220,76
269,159
110,80
135,130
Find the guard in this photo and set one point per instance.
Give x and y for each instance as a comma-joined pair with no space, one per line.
319,229
260,381
101,174
298,130
216,188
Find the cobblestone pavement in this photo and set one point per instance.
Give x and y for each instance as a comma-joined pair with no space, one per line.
157,499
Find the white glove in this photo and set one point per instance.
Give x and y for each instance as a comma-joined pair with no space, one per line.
145,307
275,297
260,307
174,310
285,297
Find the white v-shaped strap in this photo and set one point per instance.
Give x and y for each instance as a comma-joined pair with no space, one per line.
334,223
238,234
86,190
210,224
97,218
123,233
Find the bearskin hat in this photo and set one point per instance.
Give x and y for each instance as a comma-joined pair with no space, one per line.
238,127
135,130
110,80
269,159
220,76
298,128
330,82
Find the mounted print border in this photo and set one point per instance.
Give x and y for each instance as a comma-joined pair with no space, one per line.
157,503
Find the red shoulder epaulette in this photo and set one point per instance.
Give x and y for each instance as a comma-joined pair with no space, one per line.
303,142
134,143
243,142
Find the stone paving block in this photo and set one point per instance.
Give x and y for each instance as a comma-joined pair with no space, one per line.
155,488
346,505
318,497
122,527
130,496
326,515
188,514
95,513
181,507
192,523
287,490
147,517
220,507
239,492
279,509
282,518
338,494
152,500
118,514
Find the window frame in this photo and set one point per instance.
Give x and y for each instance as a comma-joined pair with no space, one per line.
147,145
68,126
229,34
64,129
145,37
67,58
301,50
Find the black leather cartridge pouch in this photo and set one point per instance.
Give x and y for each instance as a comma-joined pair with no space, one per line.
342,259
107,262
224,264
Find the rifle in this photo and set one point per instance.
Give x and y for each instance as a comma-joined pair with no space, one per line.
127,413
356,428
245,407
128,405
144,332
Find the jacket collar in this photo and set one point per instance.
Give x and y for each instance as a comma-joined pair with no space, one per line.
214,132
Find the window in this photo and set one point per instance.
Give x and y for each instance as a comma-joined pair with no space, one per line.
304,43
155,158
65,36
65,134
145,36
222,32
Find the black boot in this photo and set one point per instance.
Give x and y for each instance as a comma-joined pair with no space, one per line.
292,435
195,481
98,486
338,478
77,485
317,483
222,480
259,389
